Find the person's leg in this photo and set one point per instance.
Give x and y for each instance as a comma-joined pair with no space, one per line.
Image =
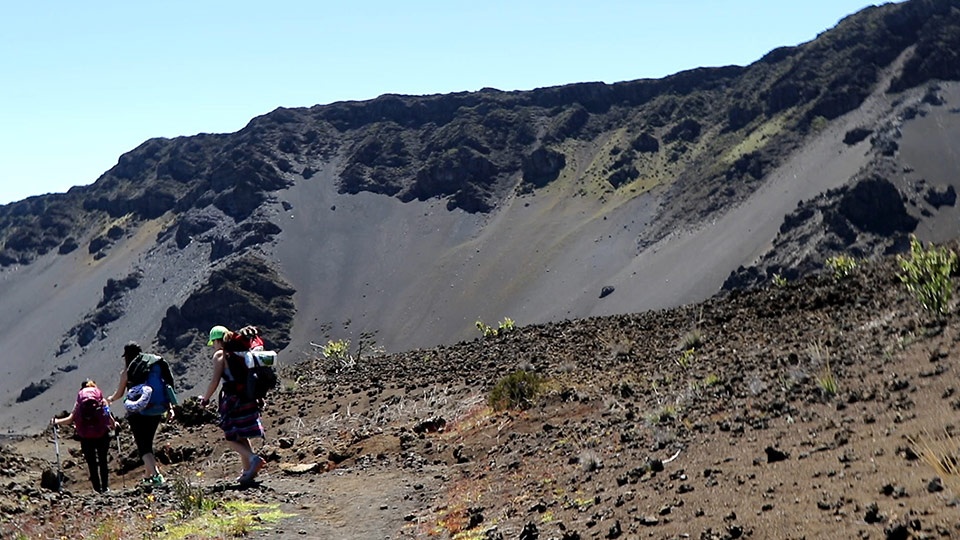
240,422
252,463
103,453
89,449
244,449
144,429
150,465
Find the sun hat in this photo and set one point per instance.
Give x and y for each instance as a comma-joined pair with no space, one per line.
217,332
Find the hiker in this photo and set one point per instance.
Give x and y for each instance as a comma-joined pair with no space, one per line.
239,415
147,385
93,422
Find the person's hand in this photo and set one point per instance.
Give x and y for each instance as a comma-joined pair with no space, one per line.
172,413
204,401
248,331
53,421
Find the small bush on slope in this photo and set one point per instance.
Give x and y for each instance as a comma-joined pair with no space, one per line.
926,274
515,391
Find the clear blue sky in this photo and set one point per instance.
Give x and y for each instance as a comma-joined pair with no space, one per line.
84,82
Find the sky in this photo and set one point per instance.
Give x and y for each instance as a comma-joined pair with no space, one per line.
82,83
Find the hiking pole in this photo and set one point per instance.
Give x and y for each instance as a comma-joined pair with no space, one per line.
56,445
123,478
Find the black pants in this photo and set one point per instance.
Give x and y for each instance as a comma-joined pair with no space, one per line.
95,454
144,429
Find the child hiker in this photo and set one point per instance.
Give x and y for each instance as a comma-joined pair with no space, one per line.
92,419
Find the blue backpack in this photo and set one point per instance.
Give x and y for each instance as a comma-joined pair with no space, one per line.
158,378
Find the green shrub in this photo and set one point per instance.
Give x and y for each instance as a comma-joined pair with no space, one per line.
842,266
515,391
337,349
506,325
779,280
926,273
486,329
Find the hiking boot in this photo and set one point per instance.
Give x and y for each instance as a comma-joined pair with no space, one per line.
256,463
154,481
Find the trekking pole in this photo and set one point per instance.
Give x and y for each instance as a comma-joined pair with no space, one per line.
123,478
56,445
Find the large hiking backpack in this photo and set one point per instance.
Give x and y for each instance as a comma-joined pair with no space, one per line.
151,371
250,371
91,418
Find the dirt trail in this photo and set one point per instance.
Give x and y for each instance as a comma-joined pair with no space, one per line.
372,504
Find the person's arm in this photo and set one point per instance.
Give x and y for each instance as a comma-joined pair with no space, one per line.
214,378
121,388
112,422
61,421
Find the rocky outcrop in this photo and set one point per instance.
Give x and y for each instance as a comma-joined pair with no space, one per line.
863,220
542,166
244,291
109,309
34,389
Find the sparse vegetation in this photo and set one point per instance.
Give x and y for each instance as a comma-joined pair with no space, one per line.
826,379
818,123
506,325
338,351
779,281
686,358
190,498
231,519
692,340
942,454
665,414
842,266
515,391
711,380
926,273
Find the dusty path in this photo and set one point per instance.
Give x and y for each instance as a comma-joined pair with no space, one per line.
372,504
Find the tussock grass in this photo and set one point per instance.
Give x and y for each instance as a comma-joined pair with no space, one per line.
827,381
942,453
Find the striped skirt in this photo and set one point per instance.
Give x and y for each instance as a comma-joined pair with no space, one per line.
239,419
